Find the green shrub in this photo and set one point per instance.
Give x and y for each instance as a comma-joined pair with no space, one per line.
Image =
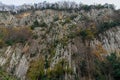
35,36
2,43
107,25
9,42
56,18
73,16
59,70
85,7
87,34
114,61
67,20
43,24
5,76
108,67
35,24
36,70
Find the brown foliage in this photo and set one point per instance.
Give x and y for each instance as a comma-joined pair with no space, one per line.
99,51
12,35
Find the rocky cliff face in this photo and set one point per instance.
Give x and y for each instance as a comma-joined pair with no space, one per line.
59,42
109,40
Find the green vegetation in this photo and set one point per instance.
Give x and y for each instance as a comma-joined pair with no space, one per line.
86,7
52,51
36,69
111,66
67,20
35,36
70,6
107,25
43,24
87,34
114,63
106,69
5,76
37,24
56,18
59,70
73,16
1,43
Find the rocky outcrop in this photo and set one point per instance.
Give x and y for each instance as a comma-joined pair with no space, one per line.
57,40
110,40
